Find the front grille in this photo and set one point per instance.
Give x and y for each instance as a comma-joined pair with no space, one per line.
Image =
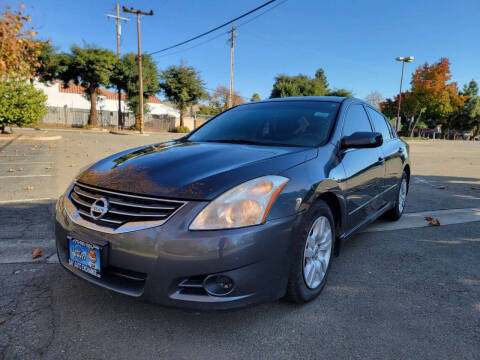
123,208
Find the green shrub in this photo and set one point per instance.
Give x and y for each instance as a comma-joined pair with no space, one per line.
20,104
181,129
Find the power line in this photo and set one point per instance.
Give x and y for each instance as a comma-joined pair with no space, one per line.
197,45
223,33
214,29
262,13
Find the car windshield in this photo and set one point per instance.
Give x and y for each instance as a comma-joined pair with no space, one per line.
289,123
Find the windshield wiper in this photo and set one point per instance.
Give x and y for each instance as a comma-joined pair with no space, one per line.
247,142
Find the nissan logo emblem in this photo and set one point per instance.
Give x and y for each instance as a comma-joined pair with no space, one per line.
99,208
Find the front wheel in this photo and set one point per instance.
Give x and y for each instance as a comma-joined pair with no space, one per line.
396,212
312,254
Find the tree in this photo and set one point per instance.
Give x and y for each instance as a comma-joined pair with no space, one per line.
432,97
468,116
91,67
374,99
47,66
255,97
221,94
182,86
18,51
125,76
299,85
303,85
432,90
411,110
20,104
321,78
340,92
218,101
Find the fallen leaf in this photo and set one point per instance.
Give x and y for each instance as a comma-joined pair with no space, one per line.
435,222
441,187
20,169
29,187
37,253
2,321
428,218
11,170
474,188
48,167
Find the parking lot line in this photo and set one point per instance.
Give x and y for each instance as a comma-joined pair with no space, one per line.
26,163
25,200
24,176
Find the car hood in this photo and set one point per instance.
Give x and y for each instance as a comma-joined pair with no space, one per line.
187,170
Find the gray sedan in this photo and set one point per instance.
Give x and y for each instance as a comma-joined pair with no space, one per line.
248,208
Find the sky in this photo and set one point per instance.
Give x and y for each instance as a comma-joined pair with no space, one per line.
354,41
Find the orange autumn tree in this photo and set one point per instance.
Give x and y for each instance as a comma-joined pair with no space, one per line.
432,91
19,53
433,98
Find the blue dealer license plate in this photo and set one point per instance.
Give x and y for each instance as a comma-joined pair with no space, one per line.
84,256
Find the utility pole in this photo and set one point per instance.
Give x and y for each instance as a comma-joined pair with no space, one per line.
232,50
119,33
139,123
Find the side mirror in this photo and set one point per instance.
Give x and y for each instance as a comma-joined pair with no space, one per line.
360,140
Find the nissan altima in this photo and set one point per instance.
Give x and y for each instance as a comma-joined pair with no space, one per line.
250,207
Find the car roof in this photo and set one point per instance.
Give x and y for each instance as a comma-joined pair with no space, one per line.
337,99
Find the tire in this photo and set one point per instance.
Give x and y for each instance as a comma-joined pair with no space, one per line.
302,287
396,212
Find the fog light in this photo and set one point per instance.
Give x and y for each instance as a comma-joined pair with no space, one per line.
218,285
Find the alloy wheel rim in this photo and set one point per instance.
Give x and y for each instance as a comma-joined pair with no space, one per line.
402,195
316,255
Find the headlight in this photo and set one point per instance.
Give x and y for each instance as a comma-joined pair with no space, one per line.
244,205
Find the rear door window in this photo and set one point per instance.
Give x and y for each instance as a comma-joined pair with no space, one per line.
379,123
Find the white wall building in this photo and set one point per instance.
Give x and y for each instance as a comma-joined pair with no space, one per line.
73,97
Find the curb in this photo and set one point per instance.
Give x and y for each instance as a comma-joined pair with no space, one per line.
127,133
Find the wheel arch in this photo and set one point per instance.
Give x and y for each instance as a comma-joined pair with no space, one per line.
335,205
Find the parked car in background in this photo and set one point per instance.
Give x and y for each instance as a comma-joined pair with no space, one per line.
248,208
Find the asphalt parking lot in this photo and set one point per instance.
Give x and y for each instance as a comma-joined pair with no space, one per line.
410,292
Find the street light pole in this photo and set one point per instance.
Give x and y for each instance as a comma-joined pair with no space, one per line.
403,60
140,75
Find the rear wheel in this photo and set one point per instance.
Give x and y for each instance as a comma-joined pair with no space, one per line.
312,254
396,212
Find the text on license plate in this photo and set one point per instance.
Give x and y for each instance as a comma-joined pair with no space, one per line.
84,256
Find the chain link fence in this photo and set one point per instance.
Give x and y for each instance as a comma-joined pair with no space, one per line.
77,118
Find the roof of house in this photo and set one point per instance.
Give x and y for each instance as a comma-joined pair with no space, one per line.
110,95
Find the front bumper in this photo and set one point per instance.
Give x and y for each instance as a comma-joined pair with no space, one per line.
151,264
